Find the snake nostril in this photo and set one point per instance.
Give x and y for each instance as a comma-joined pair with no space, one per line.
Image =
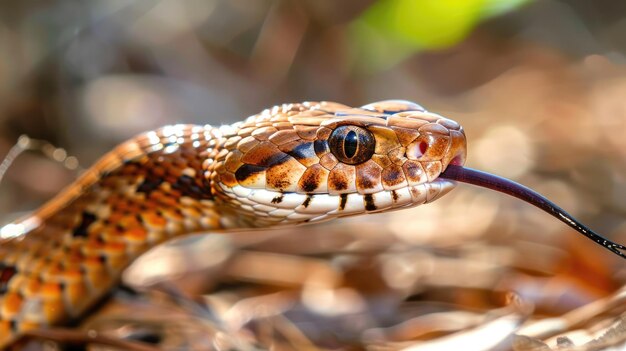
423,147
417,149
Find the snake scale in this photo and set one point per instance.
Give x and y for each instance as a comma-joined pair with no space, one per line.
291,164
295,163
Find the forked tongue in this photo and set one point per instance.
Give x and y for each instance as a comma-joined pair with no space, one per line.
503,185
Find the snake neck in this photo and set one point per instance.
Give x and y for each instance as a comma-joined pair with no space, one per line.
150,181
146,191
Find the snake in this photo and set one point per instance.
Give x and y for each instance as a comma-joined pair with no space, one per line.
290,164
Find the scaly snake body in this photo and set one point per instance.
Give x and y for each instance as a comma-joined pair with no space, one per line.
290,164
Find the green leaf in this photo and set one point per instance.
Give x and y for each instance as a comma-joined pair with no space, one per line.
392,29
424,23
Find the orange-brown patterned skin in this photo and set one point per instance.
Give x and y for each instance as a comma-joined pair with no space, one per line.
272,169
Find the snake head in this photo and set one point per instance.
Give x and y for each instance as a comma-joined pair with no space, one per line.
314,161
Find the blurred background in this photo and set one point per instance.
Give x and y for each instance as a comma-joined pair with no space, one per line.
539,86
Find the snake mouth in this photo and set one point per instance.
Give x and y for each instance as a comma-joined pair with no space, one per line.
382,201
271,207
457,151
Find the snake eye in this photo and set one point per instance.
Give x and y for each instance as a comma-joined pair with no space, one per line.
352,144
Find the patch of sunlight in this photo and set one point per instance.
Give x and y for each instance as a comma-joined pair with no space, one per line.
390,30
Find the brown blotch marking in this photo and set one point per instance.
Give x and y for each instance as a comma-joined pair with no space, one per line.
13,326
228,179
279,183
149,184
343,201
6,273
99,239
341,178
130,167
278,199
394,196
307,201
368,177
392,176
284,176
156,170
87,219
381,160
313,178
416,193
414,172
397,156
370,205
189,186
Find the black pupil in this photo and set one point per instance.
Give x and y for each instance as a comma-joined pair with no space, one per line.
350,144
